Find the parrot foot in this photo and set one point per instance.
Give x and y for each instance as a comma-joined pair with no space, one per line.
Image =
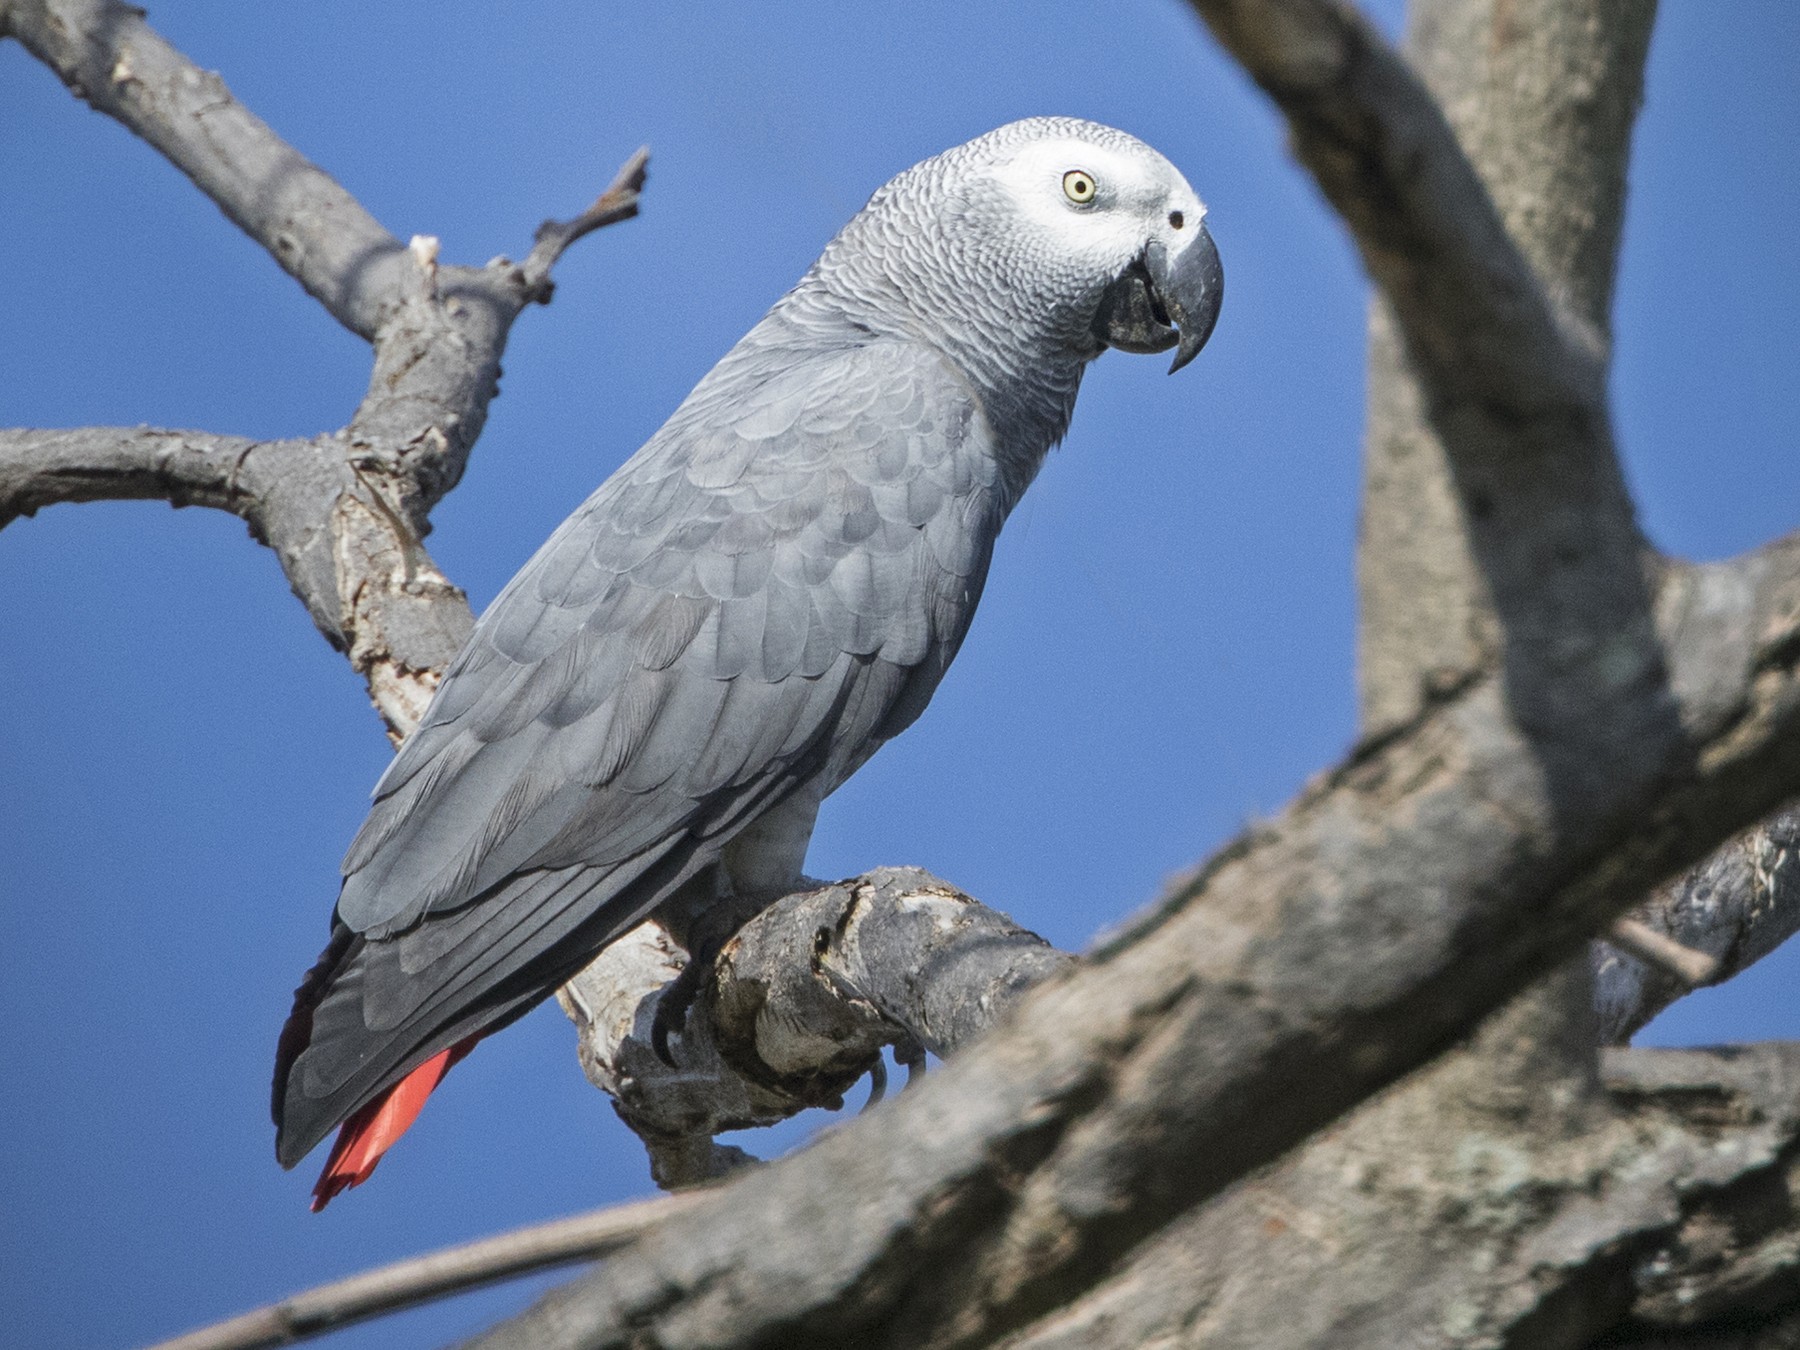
673,1007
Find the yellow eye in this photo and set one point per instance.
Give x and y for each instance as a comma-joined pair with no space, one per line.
1078,186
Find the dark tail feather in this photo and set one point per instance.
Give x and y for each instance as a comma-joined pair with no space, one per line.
372,1130
296,1034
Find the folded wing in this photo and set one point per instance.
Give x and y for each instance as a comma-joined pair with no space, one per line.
763,594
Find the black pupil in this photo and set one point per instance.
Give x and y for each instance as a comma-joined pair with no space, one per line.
1175,219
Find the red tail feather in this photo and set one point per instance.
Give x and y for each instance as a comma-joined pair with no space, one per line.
372,1131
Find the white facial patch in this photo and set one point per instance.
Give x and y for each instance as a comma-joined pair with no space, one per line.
1135,190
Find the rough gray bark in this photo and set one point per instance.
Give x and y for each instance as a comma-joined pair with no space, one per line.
1541,96
1463,1210
1607,718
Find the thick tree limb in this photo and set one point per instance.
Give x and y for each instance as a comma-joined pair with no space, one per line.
1478,1185
344,511
1514,388
1443,1214
1477,320
1541,95
1399,900
1516,1211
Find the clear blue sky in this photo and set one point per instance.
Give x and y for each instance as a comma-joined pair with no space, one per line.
1164,651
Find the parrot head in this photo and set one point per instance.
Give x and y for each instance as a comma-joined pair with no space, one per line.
1131,226
1052,237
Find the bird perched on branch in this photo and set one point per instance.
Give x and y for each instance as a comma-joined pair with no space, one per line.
739,617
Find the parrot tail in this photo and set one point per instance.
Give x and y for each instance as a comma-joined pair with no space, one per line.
371,1132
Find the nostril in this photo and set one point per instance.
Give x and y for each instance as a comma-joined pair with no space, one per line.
1177,219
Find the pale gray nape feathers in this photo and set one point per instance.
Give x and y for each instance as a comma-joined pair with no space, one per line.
740,616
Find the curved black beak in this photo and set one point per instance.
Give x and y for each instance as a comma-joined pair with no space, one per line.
1191,286
1167,298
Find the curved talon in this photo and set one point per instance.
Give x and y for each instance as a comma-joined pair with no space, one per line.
704,942
912,1055
877,1083
673,1007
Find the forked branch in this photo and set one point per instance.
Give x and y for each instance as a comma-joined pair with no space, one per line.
345,511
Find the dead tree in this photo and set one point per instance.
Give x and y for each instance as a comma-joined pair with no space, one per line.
1342,1084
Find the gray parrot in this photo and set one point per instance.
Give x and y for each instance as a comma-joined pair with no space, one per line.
739,617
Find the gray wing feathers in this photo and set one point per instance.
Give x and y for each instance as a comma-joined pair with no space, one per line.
764,593
694,626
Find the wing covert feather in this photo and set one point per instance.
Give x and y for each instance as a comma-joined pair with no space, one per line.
741,601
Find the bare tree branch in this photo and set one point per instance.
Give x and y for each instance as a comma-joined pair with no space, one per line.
893,957
107,55
1397,902
1653,948
618,202
798,1005
345,511
1478,322
348,553
1513,387
422,1279
1736,908
1541,95
1477,1184
183,468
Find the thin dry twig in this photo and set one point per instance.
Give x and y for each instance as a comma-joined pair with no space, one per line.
619,202
436,1275
1692,968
